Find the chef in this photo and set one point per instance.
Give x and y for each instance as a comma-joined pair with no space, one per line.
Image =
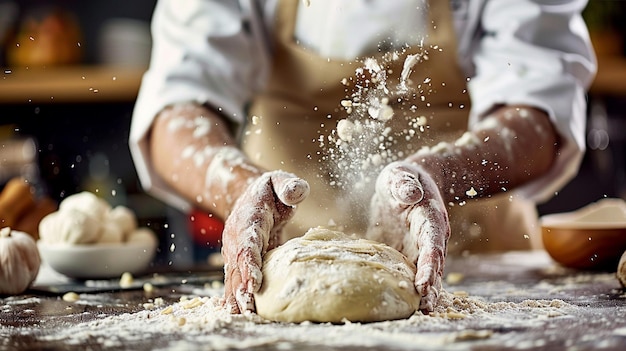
236,111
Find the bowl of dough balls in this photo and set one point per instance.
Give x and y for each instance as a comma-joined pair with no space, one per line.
590,238
86,238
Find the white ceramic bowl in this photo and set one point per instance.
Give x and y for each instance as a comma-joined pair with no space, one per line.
98,261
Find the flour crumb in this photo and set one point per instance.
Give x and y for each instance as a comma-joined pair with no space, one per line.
148,287
471,192
345,130
466,335
454,278
70,297
126,280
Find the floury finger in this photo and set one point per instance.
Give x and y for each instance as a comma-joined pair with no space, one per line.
254,227
408,213
404,184
289,189
246,236
429,233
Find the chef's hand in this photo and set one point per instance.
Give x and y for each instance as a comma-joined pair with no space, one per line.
408,213
253,228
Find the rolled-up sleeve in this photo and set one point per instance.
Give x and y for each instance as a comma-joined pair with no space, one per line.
203,51
538,53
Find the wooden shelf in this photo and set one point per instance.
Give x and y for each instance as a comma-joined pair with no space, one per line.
70,84
84,84
611,76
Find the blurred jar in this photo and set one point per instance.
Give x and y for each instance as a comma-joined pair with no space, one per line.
8,14
125,42
18,158
46,37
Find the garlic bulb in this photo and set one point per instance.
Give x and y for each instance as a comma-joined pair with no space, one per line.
19,261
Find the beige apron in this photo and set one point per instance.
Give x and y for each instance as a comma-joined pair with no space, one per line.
302,102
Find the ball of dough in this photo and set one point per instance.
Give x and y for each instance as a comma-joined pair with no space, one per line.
328,276
124,218
143,236
71,226
87,202
110,233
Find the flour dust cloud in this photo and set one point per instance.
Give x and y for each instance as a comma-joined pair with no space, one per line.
381,113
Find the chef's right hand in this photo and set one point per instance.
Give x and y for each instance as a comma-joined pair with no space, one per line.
254,227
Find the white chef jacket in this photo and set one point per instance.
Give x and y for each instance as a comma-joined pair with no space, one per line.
218,52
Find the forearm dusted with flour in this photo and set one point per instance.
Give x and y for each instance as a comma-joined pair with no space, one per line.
513,145
408,211
193,150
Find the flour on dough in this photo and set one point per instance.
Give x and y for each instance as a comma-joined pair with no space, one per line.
328,276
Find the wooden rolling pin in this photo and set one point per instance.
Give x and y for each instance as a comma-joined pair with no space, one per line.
16,198
20,210
29,221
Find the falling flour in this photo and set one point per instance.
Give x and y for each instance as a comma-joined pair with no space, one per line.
363,142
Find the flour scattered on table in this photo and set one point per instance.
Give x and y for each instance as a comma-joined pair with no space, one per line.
504,301
200,321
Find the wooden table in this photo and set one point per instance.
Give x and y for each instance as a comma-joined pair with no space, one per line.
534,305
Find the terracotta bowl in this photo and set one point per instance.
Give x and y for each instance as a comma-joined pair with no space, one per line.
591,238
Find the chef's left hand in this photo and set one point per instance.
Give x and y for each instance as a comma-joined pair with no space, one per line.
408,213
253,228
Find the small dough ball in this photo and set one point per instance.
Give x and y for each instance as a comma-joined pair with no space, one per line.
110,233
124,218
70,226
143,236
86,202
328,276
